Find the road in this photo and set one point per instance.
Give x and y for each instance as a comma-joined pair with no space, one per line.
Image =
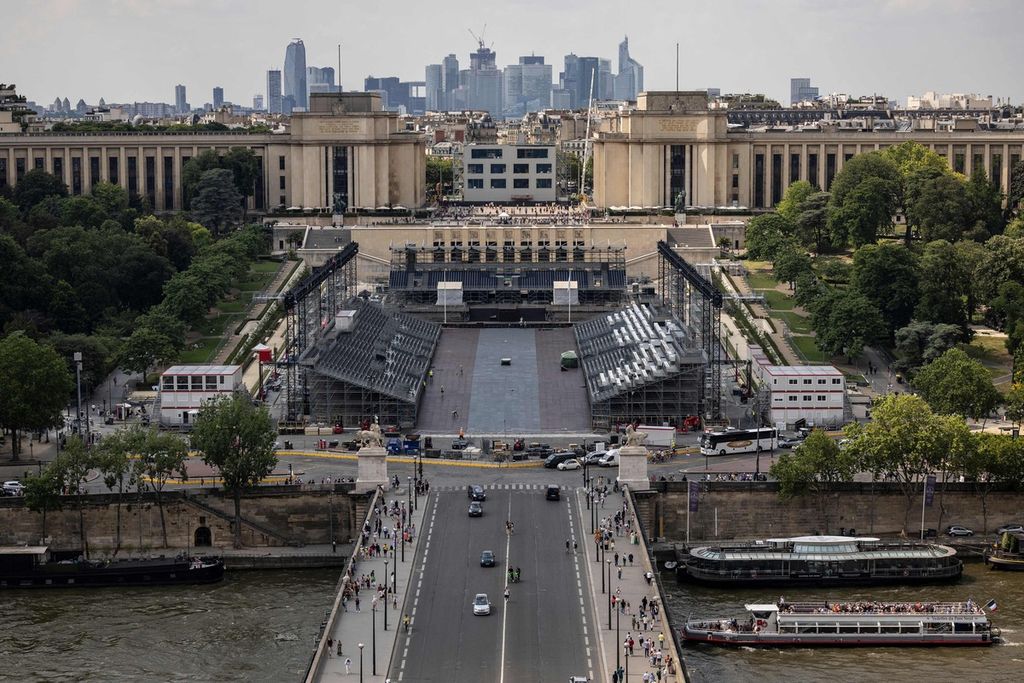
544,632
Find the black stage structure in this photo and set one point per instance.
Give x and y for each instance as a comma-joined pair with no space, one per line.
697,303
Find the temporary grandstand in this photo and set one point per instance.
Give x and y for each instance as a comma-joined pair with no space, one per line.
640,365
508,283
370,361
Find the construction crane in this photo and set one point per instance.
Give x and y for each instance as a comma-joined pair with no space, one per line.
479,38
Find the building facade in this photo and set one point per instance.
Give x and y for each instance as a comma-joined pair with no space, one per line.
184,389
801,90
180,100
295,73
813,393
320,79
218,97
509,173
672,148
346,153
274,91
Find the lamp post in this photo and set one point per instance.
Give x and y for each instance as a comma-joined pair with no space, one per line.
608,563
360,663
373,643
78,380
618,647
600,548
385,595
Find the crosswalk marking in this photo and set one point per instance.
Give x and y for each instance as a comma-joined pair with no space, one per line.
499,487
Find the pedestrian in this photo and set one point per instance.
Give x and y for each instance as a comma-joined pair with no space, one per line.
334,546
620,573
348,665
631,559
442,390
330,647
506,594
357,603
616,559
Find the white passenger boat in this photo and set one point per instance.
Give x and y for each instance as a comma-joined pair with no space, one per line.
840,624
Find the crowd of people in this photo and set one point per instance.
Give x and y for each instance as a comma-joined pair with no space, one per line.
872,607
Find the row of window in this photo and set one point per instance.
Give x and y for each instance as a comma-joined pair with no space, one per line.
821,380
500,183
822,398
198,382
524,153
497,169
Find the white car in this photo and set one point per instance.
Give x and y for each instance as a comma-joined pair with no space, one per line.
13,488
569,465
481,605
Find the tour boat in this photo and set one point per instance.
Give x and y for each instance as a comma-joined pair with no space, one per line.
820,561
842,624
33,567
1007,553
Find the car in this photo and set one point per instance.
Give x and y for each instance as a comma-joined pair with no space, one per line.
956,530
539,450
592,458
610,459
553,492
487,558
1006,528
13,488
555,459
476,492
476,509
571,464
481,605
789,442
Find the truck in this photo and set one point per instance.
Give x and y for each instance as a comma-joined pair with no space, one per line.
658,436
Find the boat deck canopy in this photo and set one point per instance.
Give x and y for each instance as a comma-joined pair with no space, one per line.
23,549
761,608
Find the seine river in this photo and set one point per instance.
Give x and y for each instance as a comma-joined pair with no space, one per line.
253,626
995,663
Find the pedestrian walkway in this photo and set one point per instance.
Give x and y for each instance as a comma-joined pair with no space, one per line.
354,621
625,598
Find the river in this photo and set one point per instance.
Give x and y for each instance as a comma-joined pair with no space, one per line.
996,663
254,625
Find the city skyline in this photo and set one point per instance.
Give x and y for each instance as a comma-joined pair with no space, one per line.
922,29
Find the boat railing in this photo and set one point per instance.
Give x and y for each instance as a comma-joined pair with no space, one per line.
727,572
787,546
881,609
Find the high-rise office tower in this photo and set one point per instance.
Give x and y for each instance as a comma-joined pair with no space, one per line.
274,91
630,80
257,102
320,79
218,97
605,87
295,73
527,86
569,78
434,79
800,89
588,73
180,102
484,81
449,79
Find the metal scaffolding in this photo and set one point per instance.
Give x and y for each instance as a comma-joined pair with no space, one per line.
694,300
308,308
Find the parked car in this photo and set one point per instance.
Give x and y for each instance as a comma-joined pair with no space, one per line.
1011,528
789,442
593,458
487,558
539,450
955,530
476,492
481,605
555,459
610,459
476,509
571,464
13,488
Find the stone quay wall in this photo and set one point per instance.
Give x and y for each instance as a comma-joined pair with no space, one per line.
274,516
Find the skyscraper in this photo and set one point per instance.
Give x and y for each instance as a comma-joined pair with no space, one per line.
257,102
527,86
449,79
295,73
588,75
320,79
274,91
569,78
435,87
800,89
180,103
218,97
630,79
484,91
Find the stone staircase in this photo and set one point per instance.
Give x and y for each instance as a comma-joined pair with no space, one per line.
282,539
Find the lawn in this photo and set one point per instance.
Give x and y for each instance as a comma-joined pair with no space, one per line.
798,324
777,300
808,349
266,266
200,351
761,279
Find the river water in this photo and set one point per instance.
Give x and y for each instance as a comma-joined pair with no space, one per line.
996,663
253,626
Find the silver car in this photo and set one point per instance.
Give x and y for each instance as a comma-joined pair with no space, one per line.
481,605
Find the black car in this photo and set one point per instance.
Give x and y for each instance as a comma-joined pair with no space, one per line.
476,492
553,492
539,450
476,509
555,459
487,558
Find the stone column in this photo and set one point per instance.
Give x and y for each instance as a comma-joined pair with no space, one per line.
633,468
372,469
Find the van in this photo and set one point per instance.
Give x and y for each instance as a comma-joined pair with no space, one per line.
609,459
553,492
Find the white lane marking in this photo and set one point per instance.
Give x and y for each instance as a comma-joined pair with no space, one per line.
504,609
593,598
419,585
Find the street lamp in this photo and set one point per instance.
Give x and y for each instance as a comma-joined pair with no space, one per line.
78,374
609,564
600,548
373,642
360,663
385,595
617,639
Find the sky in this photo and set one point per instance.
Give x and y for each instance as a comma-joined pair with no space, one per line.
137,50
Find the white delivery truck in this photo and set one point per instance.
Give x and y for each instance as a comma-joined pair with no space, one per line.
658,436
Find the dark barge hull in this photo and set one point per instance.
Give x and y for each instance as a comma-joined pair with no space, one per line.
735,640
125,573
1009,564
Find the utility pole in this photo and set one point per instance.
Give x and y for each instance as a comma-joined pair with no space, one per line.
78,375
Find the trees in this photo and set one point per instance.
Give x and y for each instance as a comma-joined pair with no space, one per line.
954,383
864,199
71,468
921,342
941,208
440,175
845,322
217,203
790,262
994,459
36,387
35,186
43,494
812,221
146,348
766,234
985,202
237,438
119,470
942,285
793,200
244,167
916,164
886,275
161,456
813,468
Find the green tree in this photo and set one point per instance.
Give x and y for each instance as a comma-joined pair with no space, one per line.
217,203
916,164
887,276
1016,186
237,438
161,456
766,234
942,285
790,262
986,202
995,459
36,387
845,322
1006,311
35,186
807,288
119,469
1015,404
193,171
24,283
921,342
941,208
813,468
971,256
954,383
864,197
71,467
43,494
792,204
244,166
146,348
440,176
812,222
84,211
111,197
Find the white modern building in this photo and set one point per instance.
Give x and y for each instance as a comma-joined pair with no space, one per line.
813,393
185,388
509,173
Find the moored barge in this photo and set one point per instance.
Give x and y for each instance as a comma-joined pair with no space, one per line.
820,561
33,567
1007,554
849,624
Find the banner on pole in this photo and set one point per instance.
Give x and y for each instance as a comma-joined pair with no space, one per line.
694,493
929,490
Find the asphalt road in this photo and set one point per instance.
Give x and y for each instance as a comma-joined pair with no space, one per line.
540,634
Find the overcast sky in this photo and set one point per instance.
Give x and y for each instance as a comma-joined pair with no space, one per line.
137,50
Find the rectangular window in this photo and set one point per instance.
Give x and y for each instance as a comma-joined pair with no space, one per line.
847,157
792,381
3,172
543,183
792,399
830,170
497,168
735,181
735,161
677,174
794,168
486,154
151,180
520,168
281,200
822,397
280,163
182,382
543,168
807,381
474,168
133,176
168,382
475,183
759,181
821,381
260,189
996,172
94,171
836,380
168,183
776,179
112,163
978,161
281,183
340,196
532,153
497,183
812,170
19,169
959,162
521,183
39,163
58,167
807,399
76,175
